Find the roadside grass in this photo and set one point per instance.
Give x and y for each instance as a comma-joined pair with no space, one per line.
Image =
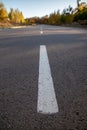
5,24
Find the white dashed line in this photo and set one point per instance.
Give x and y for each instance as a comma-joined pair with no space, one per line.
41,30
47,103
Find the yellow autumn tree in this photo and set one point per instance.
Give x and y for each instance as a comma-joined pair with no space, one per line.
3,12
16,16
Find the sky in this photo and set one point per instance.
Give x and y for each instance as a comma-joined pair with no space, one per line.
31,8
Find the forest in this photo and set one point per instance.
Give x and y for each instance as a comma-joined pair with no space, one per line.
68,16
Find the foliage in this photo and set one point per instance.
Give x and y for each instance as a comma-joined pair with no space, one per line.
3,12
1,6
81,13
54,18
32,21
16,16
44,20
68,16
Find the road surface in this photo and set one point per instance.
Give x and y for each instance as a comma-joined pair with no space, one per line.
58,99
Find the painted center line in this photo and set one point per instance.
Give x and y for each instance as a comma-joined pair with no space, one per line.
47,103
41,30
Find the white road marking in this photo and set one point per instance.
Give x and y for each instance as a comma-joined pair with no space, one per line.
41,31
47,103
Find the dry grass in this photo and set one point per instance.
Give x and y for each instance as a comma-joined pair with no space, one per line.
5,24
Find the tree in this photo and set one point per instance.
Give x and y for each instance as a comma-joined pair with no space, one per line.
12,15
1,6
16,16
54,18
67,15
3,12
81,13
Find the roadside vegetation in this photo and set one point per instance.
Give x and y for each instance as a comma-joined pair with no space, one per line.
14,17
69,16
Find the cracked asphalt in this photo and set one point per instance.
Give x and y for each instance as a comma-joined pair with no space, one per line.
19,69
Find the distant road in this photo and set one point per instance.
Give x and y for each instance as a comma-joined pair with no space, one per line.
43,78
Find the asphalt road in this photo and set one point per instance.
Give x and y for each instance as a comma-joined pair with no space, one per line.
19,71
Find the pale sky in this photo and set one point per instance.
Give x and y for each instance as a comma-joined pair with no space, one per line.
31,8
